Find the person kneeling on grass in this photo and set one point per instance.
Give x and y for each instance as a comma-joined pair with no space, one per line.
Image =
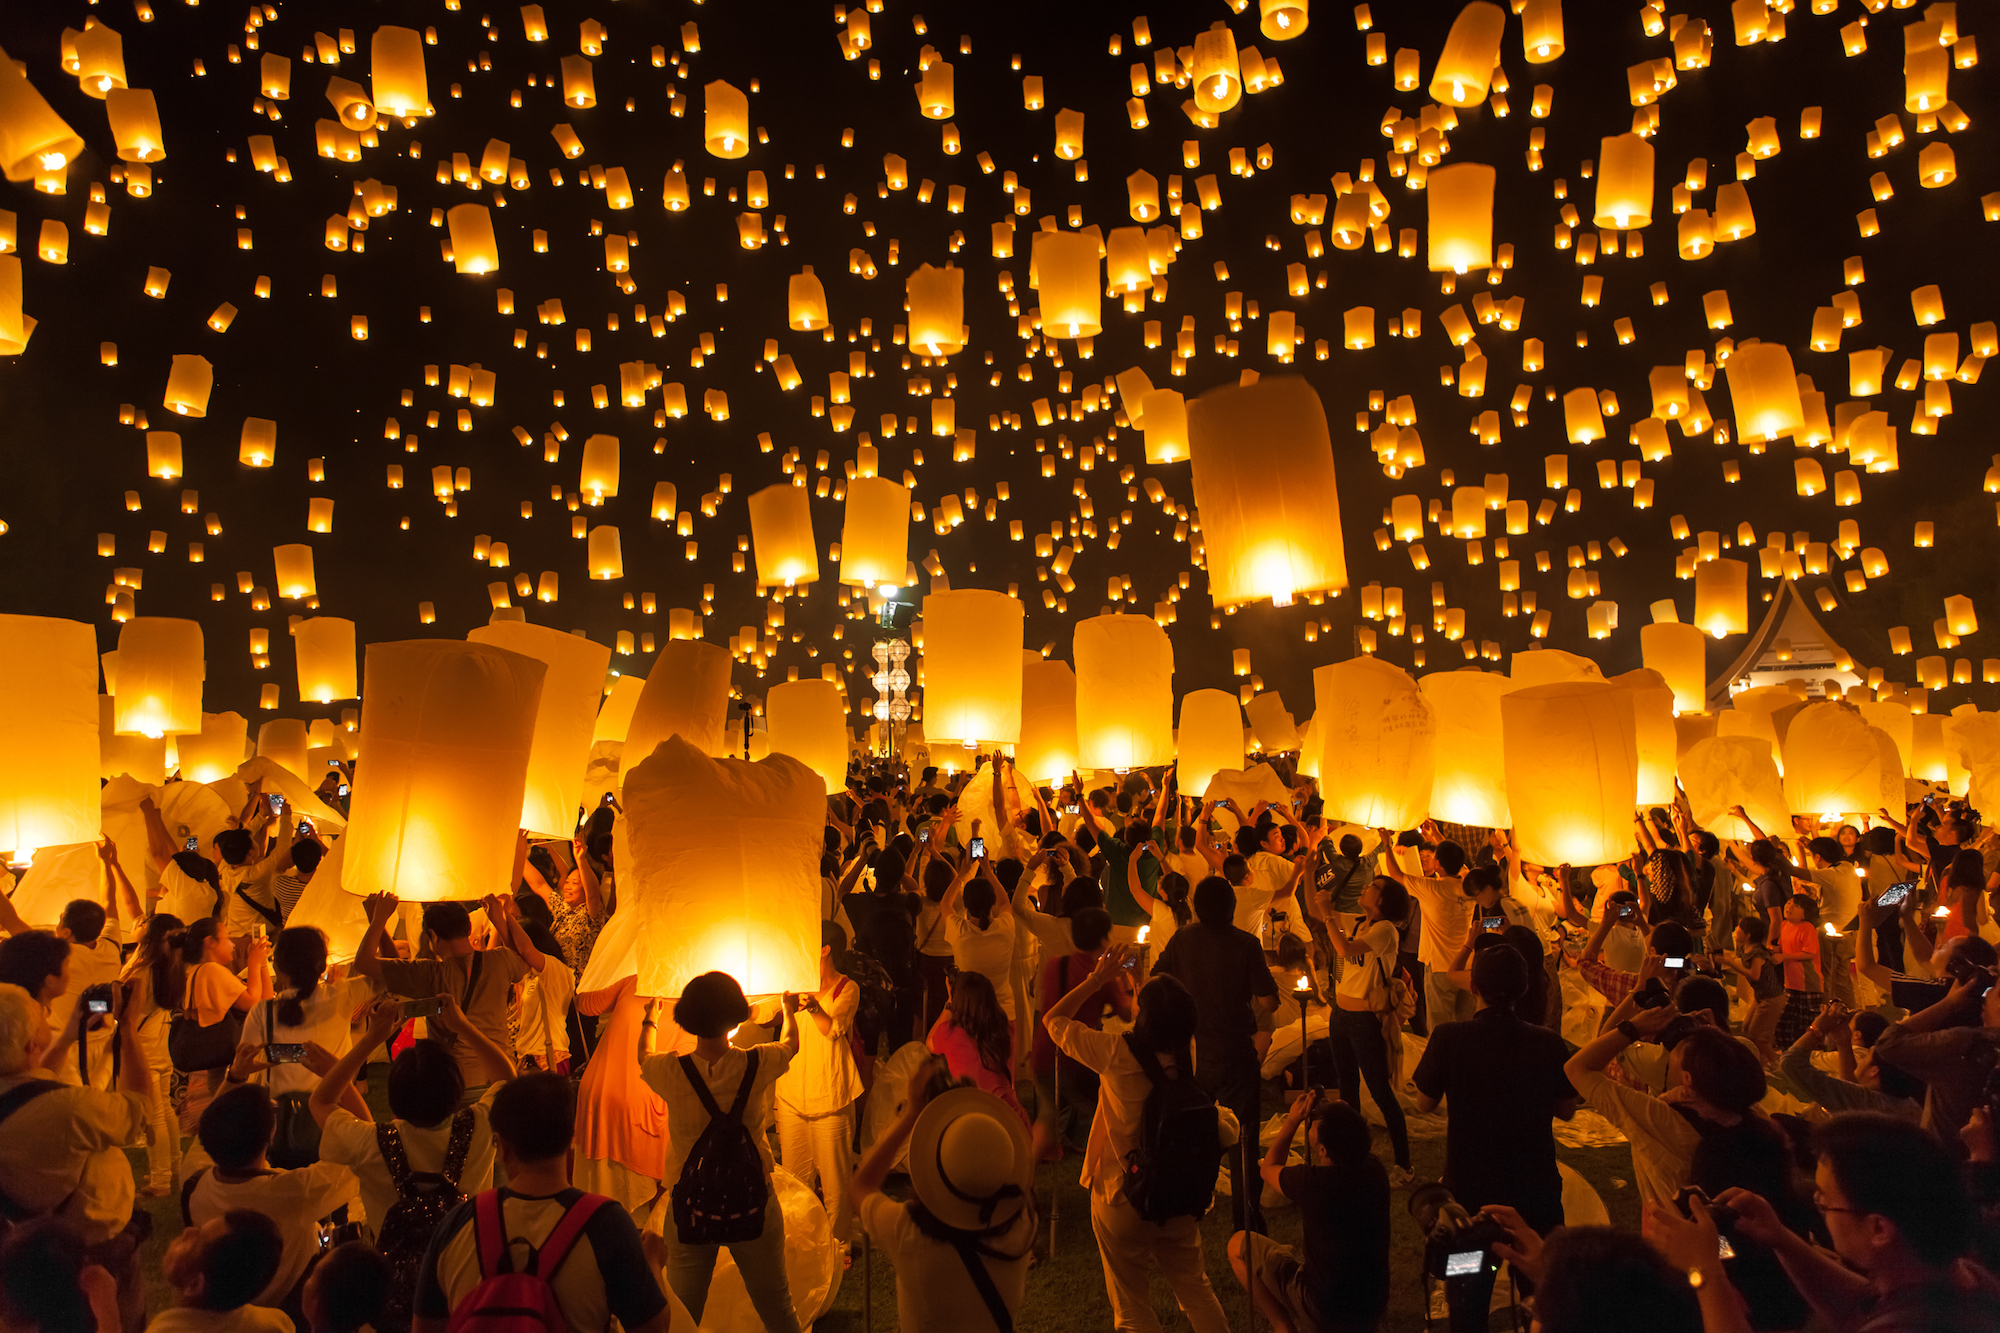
1341,1285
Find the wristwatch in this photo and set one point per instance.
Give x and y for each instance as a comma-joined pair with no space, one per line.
1627,1031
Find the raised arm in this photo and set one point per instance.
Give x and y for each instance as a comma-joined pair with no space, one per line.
383,1016
126,896
506,919
159,844
593,890
1145,901
368,954
494,1062
1388,848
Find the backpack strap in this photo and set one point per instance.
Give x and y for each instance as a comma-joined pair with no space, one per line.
744,1088
459,1145
389,1142
270,914
700,1087
975,1268
489,1230
187,1196
24,1092
708,1102
1149,1063
563,1239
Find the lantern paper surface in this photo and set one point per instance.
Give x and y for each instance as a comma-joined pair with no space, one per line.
1832,763
875,536
1676,650
721,860
781,534
144,757
1046,751
1551,666
1653,733
217,750
1572,768
327,904
1376,736
1124,693
1210,739
972,667
435,811
48,733
1276,731
1468,788
614,715
283,741
1262,466
565,718
805,720
687,696
325,646
160,671
1734,770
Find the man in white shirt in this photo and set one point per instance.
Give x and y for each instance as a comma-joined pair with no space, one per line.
1839,905
93,963
1447,913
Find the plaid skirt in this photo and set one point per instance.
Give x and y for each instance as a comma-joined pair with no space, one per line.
1801,1008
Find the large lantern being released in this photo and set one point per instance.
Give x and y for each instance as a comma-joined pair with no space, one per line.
325,646
687,696
721,858
48,733
1653,733
1461,217
1572,772
1676,651
1551,666
143,758
1722,597
436,810
1832,763
1375,735
1468,788
781,534
1764,389
284,741
217,750
937,310
1046,752
1471,50
1272,722
1069,276
972,667
565,718
1210,739
1124,692
1725,771
805,720
875,536
160,671
725,120
614,715
1263,475
397,81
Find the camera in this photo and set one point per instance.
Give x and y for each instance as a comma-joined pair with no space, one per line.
1458,1251
98,999
1653,995
1724,1215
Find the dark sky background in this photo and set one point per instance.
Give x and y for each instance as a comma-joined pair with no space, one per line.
290,357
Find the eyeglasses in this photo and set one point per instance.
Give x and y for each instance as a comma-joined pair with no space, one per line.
1819,1202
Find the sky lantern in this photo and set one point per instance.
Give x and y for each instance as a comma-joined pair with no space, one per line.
294,568
1165,417
606,553
1281,20
217,750
687,695
1272,722
722,863
1653,732
135,125
1724,771
435,812
1541,30
1376,737
1624,182
1468,788
1676,651
875,534
1124,692
805,301
325,648
396,57
284,741
33,138
48,734
1216,71
473,247
1832,764
972,667
1722,597
565,718
1046,752
1471,51
1262,466
598,477
100,59
1764,389
806,720
1068,274
189,382
1209,739
160,672
781,534
725,120
1571,760
936,95
937,309
1461,216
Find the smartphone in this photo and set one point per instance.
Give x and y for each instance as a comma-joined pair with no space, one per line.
1896,893
924,834
193,842
605,801
977,849
343,789
1628,909
1493,922
1675,964
430,1008
277,801
284,1052
1724,1248
1930,799
1073,809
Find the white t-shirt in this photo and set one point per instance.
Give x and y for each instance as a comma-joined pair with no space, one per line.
544,1017
989,952
295,1200
1839,894
326,1021
89,965
933,938
352,1143
1361,978
243,1319
184,896
1447,917
933,1288
254,880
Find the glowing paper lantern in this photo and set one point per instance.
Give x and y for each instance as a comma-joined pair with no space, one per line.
598,478
143,757
1722,597
1832,763
1765,391
1216,71
1376,735
937,309
48,733
805,301
721,858
160,671
1895,720
1210,739
396,73
1471,50
1461,217
1927,762
188,383
1624,182
875,534
1281,20
1467,787
1551,666
325,646
1541,30
473,247
781,534
1273,724
1046,752
33,138
607,557
435,811
1725,771
294,563
284,741
972,667
1677,652
614,715
1069,277
566,718
936,93
217,750
725,120
135,124
807,721
1572,767
1165,416
1653,733
1124,692
1263,474
687,696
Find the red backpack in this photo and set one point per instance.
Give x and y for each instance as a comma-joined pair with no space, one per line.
510,1302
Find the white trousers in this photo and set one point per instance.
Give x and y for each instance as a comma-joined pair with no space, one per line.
818,1150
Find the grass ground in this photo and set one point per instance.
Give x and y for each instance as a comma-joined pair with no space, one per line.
1066,1290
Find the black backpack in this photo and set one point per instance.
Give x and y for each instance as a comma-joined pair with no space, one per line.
1173,1170
720,1196
423,1200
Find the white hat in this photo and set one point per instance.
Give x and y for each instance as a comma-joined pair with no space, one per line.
967,1148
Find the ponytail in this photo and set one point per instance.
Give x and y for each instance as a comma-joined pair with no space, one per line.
157,948
299,953
187,945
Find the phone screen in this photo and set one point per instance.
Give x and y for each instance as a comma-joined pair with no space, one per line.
978,849
193,843
924,834
430,1008
1494,922
1465,1263
343,789
283,1053
98,1006
1675,963
1896,893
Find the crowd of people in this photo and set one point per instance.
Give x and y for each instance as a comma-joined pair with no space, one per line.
1797,1033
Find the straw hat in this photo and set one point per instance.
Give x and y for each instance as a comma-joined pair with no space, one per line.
967,1148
